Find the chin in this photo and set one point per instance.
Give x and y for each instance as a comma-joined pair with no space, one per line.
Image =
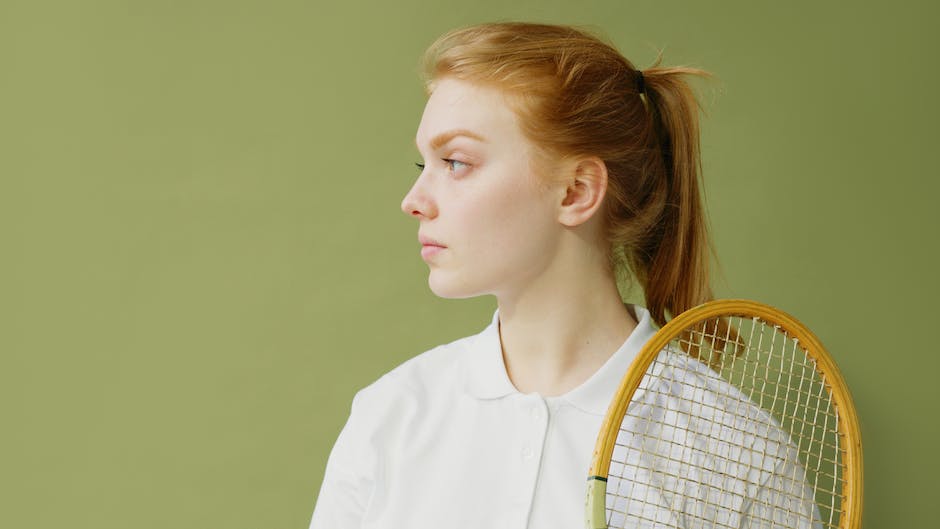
450,287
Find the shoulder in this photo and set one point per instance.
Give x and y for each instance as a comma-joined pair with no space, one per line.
432,375
385,417
690,381
719,415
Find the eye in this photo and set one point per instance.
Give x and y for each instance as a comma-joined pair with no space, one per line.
419,165
456,167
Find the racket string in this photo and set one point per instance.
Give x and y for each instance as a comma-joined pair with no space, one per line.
747,422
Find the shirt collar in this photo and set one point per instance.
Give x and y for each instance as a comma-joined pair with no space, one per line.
594,394
486,376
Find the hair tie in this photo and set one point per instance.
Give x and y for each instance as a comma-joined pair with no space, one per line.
640,84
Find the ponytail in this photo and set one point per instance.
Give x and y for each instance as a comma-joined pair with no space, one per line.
671,260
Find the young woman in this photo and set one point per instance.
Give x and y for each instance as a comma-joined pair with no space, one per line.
551,165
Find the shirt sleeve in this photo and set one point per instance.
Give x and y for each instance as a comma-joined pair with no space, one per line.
349,480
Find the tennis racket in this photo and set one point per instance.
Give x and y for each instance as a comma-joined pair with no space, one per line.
731,416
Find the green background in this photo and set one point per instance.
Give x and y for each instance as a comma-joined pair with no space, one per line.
203,256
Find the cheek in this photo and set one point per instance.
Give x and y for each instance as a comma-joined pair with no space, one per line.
517,221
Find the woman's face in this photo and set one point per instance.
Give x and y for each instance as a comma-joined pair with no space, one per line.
487,223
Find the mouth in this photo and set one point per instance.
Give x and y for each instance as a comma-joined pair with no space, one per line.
430,247
427,241
428,251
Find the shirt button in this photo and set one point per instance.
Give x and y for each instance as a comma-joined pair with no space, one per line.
527,453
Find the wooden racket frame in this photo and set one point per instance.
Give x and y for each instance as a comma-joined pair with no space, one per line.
851,508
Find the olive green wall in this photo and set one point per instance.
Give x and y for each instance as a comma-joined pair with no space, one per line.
203,257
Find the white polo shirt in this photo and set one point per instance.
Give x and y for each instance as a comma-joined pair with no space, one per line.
446,440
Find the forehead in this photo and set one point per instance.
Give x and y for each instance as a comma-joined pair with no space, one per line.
455,104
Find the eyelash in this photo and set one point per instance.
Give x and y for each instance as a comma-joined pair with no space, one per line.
448,161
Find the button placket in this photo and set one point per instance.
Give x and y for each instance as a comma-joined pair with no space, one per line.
533,419
535,408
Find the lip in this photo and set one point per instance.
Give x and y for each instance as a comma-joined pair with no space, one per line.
430,247
428,251
427,241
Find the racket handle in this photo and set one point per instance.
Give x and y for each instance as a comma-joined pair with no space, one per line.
596,503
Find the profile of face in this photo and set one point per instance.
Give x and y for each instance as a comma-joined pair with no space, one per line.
488,224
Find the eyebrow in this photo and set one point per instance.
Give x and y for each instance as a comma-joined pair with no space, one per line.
443,138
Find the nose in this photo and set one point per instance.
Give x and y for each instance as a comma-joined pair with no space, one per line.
418,202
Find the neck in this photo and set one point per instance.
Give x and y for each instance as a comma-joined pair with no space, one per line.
561,330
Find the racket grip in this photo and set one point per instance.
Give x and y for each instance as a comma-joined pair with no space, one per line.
596,503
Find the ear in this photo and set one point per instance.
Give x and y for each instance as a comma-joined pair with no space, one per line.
584,194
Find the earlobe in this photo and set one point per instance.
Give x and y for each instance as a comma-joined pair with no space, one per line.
585,191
